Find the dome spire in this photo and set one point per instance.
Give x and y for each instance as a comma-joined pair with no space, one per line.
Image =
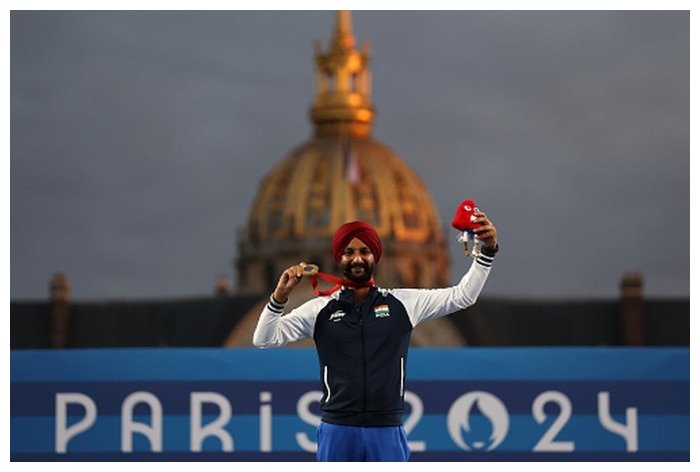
342,36
343,103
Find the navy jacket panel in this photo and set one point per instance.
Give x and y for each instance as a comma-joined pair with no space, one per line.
362,350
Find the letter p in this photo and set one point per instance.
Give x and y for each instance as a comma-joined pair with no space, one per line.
64,433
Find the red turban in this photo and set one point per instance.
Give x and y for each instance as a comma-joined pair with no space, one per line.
365,232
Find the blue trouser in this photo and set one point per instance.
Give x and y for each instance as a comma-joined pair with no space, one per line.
338,443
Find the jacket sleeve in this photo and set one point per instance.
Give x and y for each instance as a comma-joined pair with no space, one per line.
427,304
275,329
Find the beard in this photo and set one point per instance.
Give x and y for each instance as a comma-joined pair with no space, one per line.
364,277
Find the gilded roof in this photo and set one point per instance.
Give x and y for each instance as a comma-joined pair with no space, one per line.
331,180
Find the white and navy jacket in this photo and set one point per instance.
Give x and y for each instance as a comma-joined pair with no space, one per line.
362,348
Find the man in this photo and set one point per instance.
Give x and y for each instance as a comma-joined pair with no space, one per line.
362,334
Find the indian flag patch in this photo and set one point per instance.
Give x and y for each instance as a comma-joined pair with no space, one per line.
381,311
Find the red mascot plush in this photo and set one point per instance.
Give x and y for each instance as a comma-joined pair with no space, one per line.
464,222
464,217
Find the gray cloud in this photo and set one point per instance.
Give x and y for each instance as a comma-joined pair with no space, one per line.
138,139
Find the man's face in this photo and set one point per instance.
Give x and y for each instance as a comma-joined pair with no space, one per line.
357,262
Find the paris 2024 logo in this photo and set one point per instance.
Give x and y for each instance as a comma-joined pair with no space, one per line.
481,407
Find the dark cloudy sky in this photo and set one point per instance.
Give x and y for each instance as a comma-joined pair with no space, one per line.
138,140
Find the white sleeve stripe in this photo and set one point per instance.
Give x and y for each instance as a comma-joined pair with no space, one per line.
274,309
275,304
483,262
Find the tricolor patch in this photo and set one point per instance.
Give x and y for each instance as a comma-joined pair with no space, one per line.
381,311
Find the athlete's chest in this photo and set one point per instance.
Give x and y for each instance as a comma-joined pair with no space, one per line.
372,321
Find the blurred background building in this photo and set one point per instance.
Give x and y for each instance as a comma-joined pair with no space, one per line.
341,174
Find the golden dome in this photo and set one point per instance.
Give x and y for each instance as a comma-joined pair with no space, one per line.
331,180
342,174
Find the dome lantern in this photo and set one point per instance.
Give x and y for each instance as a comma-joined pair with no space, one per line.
343,89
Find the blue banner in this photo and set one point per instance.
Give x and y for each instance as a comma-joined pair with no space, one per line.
473,404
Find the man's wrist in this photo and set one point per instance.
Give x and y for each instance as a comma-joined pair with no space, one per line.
275,300
274,306
489,251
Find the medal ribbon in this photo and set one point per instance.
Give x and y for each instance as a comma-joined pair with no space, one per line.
338,281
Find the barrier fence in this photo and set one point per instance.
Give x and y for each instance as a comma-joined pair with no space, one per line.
471,404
